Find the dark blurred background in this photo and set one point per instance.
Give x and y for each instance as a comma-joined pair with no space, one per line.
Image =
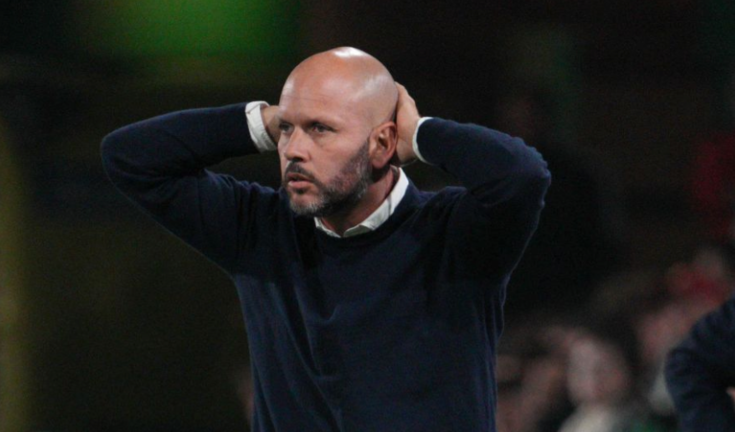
109,323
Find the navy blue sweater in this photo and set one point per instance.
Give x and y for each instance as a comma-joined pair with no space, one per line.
701,369
393,330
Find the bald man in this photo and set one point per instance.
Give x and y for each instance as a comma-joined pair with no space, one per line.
369,305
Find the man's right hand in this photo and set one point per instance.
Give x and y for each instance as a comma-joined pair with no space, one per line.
271,122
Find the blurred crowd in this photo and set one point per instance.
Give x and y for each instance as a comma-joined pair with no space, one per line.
588,354
601,367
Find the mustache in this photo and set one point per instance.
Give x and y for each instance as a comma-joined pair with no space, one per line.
296,168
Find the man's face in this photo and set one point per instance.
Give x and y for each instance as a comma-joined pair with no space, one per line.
324,149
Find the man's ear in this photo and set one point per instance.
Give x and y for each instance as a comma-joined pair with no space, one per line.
383,142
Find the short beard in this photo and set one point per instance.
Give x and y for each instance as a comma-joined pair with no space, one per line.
342,193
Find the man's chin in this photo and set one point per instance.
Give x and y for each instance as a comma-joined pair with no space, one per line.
302,204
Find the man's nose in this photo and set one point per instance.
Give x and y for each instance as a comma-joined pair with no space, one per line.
297,146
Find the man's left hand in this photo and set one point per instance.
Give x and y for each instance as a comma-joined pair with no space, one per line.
407,118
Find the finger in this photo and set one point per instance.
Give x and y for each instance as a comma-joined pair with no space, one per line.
402,92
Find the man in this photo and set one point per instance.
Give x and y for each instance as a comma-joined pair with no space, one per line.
700,370
369,305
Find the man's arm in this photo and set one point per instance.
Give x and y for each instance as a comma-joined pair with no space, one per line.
506,182
699,371
160,163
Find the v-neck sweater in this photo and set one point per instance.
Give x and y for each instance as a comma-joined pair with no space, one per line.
391,330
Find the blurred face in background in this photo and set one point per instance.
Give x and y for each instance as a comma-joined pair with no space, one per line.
598,373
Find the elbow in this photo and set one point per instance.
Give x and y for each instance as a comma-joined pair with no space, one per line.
540,176
535,177
534,180
531,170
110,149
538,169
115,149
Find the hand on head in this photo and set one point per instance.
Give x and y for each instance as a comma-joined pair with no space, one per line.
271,121
407,118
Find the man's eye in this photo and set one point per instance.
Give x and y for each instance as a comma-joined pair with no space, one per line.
320,128
284,128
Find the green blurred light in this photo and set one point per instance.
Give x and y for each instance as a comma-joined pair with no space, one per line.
190,27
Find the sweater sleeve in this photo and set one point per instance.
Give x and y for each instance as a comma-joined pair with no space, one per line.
505,182
160,163
700,369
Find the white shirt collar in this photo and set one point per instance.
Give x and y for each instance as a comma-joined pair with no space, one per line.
379,216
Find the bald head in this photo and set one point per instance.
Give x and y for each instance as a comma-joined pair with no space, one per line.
358,79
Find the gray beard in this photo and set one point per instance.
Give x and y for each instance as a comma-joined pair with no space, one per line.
342,193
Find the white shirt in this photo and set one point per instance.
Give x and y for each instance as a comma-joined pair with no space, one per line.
263,142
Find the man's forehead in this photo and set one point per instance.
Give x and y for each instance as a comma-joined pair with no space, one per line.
318,103
320,87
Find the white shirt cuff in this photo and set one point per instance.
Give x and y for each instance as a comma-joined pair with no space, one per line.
258,132
415,143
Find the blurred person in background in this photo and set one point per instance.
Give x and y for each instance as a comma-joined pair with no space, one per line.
601,378
661,306
660,323
539,346
695,288
369,305
544,402
662,312
508,376
701,369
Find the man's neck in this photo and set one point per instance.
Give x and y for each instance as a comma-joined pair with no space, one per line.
374,197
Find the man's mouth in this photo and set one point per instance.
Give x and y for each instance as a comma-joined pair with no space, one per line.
297,177
298,181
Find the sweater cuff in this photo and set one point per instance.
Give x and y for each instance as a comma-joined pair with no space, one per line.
415,140
258,132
